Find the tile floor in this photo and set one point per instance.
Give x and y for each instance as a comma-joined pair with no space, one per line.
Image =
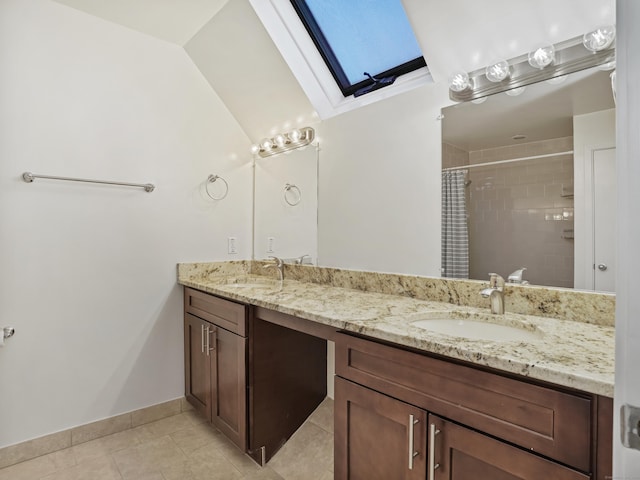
185,447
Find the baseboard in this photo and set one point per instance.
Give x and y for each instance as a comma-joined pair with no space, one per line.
37,447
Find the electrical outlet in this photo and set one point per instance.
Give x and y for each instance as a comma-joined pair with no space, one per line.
232,245
270,242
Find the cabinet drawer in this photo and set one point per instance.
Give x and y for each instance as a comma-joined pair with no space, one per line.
553,423
224,313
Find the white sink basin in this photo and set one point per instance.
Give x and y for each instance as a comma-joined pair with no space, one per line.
249,285
476,329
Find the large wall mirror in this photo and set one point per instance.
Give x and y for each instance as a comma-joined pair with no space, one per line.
529,180
286,206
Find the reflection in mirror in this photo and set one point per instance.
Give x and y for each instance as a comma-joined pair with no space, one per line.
523,169
286,206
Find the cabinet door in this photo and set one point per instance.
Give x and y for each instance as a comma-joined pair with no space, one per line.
197,375
377,437
228,382
463,454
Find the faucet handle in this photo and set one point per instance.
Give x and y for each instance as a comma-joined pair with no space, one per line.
278,261
495,281
516,277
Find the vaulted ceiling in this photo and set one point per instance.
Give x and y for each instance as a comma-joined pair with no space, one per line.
227,42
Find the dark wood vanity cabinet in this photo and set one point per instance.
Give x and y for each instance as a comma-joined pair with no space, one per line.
215,354
396,409
254,373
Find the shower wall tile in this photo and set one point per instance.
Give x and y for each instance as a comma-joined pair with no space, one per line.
453,156
517,213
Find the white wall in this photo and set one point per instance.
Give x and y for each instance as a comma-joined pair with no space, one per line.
88,275
380,194
294,228
626,462
591,131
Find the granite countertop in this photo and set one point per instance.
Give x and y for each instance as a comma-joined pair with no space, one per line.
564,352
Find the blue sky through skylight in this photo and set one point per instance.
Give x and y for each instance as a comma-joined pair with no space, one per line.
366,35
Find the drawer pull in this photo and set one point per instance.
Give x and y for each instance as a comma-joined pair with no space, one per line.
202,338
412,452
433,431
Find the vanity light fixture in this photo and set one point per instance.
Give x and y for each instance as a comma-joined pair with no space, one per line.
460,81
599,39
514,92
542,56
545,62
283,142
498,71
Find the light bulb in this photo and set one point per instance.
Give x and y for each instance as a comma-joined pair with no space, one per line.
266,144
295,135
498,71
542,56
279,140
255,149
599,39
460,81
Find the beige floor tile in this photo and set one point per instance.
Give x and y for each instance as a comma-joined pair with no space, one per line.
195,417
63,458
29,470
323,415
208,463
103,468
308,451
265,473
104,446
243,462
190,439
163,427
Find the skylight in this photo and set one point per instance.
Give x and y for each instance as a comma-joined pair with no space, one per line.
358,36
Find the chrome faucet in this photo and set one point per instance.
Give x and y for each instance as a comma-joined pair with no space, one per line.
300,260
516,277
278,264
495,293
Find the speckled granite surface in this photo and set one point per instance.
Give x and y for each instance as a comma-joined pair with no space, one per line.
564,351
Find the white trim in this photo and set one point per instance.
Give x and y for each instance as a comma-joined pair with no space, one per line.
301,55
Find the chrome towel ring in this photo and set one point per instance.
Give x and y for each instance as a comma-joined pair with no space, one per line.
213,179
292,194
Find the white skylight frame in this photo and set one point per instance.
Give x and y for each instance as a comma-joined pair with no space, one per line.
301,55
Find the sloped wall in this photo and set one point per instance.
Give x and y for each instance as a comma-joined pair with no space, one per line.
88,271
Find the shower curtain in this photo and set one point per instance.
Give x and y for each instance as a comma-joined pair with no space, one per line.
455,233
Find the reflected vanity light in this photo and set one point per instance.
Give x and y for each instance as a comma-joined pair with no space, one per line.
542,56
600,39
542,63
284,142
498,71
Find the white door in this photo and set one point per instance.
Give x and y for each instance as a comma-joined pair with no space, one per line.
626,462
604,219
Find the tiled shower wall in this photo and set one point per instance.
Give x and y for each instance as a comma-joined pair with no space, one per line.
521,213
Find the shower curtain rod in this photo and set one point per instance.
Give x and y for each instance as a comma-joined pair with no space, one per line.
499,162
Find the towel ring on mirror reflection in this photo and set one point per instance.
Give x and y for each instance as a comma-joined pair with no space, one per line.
292,194
212,179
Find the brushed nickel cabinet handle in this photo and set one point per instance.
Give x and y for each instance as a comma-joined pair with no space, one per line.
207,332
202,338
213,331
433,431
412,452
